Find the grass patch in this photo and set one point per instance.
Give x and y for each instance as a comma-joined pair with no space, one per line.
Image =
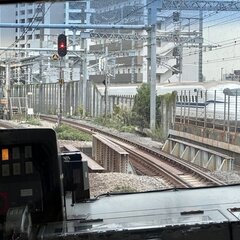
66,132
115,124
33,121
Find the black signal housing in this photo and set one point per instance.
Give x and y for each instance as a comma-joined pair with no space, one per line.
62,45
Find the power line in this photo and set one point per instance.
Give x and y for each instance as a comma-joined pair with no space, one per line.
134,11
41,19
26,30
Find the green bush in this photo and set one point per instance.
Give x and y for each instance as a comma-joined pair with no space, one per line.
66,132
33,121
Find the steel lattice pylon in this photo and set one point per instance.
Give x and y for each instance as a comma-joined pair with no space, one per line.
199,5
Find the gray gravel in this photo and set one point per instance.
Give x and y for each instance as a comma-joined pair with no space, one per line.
101,183
110,182
231,177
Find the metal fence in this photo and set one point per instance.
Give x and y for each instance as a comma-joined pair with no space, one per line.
213,109
45,99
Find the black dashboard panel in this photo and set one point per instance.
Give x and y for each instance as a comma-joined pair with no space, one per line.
29,173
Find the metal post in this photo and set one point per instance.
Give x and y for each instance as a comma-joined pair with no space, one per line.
205,110
196,98
236,111
184,107
200,75
7,85
133,61
224,114
106,97
189,99
60,93
214,109
181,101
153,23
106,82
228,126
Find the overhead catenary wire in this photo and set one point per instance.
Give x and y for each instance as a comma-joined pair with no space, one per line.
25,32
34,18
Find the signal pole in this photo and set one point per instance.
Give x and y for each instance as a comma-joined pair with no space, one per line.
153,24
62,51
61,81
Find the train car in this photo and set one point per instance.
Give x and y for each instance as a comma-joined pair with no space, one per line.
206,99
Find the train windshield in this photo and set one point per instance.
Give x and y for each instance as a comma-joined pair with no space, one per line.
104,103
154,84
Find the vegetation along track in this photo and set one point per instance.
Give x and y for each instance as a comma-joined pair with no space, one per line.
146,161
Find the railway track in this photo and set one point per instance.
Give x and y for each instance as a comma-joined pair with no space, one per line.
4,124
146,161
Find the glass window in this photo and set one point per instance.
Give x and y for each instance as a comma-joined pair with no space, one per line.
77,5
74,16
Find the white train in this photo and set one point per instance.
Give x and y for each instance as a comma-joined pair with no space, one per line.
220,100
214,99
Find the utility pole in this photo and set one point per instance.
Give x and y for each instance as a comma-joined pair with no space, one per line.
153,24
200,74
61,82
62,51
84,36
106,82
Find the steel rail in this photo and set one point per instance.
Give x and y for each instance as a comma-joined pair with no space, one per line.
198,173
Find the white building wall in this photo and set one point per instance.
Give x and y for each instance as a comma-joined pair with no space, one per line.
7,36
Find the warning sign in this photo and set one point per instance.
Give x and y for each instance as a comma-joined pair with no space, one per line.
55,57
3,101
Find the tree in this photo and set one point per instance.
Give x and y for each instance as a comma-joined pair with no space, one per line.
141,107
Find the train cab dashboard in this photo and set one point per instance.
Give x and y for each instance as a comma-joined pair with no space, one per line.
34,201
29,173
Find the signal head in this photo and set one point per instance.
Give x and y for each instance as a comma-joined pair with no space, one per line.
62,45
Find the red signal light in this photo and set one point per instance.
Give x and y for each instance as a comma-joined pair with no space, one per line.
62,45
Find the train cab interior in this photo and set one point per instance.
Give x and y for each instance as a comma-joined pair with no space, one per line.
29,174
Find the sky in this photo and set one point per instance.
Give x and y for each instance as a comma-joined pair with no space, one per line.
222,31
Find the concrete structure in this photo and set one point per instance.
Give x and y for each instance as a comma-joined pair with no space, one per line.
37,66
127,60
7,14
202,156
109,155
37,13
76,12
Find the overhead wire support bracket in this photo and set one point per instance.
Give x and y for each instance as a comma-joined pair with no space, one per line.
75,26
200,5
